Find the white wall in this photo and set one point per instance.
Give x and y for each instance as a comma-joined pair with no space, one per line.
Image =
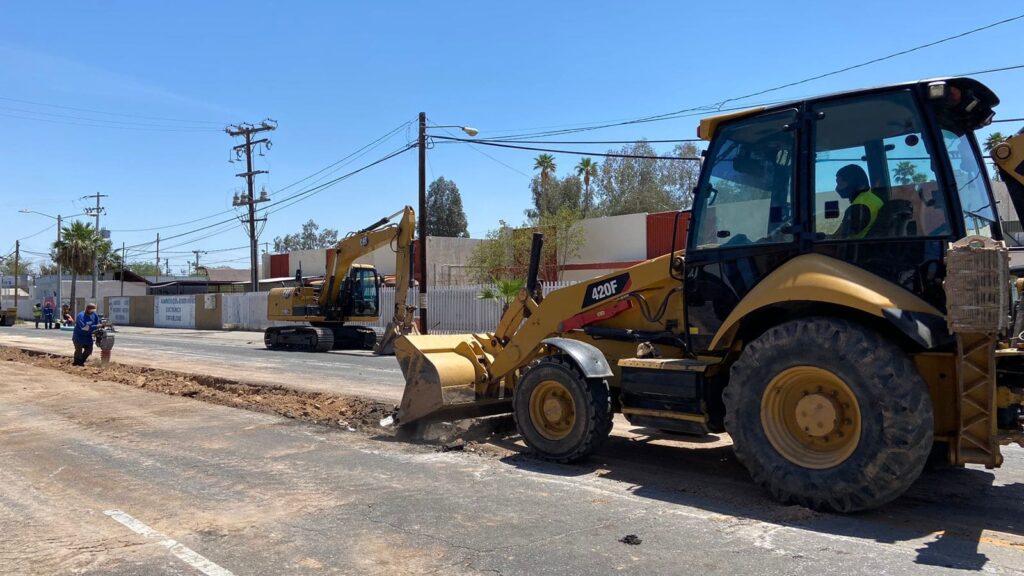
47,286
613,239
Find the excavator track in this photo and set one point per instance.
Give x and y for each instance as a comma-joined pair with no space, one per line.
301,338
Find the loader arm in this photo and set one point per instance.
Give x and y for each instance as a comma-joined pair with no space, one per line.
467,375
528,322
1009,158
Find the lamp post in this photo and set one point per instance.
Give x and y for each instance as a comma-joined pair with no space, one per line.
470,131
60,275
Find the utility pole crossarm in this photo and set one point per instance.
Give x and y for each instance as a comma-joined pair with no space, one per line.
247,131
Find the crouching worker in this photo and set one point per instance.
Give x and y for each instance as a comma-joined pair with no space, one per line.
85,325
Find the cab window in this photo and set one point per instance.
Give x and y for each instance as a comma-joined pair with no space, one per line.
746,196
874,175
979,213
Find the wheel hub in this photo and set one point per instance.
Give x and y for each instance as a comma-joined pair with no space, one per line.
816,415
552,410
811,417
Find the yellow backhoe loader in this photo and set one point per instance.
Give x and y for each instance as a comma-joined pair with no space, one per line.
348,293
842,310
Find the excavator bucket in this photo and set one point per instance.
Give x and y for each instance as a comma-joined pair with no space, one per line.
446,379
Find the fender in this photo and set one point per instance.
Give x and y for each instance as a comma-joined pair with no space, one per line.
589,358
817,278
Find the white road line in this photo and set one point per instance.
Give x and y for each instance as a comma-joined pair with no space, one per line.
184,553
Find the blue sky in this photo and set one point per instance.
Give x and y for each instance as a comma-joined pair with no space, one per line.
337,75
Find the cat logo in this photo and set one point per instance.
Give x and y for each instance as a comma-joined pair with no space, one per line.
364,241
604,289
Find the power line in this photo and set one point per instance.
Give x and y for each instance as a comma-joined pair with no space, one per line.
69,123
1008,120
298,197
367,147
122,122
875,60
576,152
718,106
123,115
277,206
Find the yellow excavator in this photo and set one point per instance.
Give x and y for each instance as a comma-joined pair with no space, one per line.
348,293
843,309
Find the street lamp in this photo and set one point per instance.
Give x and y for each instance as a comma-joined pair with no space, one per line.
60,275
470,131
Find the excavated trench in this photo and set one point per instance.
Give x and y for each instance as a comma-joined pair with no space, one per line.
332,410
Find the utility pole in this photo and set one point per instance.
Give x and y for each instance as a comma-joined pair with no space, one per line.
95,257
17,253
123,258
422,142
60,273
247,131
157,258
197,253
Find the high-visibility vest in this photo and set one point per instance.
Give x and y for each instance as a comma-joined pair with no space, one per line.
873,203
37,313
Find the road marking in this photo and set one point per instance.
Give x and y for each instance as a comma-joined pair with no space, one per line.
184,553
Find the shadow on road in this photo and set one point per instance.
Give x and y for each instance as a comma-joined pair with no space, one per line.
953,506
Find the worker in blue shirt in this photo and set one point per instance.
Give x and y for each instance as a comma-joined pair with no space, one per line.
85,326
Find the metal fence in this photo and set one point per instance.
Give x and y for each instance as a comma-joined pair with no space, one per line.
453,309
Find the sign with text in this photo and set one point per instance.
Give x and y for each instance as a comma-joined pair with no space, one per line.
174,312
119,310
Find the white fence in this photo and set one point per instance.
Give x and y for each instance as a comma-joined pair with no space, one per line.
453,310
246,311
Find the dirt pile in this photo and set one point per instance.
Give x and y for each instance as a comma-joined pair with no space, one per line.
331,410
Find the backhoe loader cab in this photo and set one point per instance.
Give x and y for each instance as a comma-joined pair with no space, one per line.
842,310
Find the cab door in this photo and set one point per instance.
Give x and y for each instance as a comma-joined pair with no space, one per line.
746,218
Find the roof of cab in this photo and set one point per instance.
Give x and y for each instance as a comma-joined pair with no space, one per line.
707,126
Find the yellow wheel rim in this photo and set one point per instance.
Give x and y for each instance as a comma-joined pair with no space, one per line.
811,417
552,410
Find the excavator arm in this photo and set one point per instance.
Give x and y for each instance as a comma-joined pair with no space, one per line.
1009,158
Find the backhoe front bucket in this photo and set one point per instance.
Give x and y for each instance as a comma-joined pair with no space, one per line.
446,379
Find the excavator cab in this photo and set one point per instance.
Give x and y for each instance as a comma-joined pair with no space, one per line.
843,308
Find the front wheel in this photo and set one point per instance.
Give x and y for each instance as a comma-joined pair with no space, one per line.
829,414
561,415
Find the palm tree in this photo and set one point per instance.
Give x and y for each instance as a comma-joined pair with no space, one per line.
905,172
503,292
546,164
586,169
75,250
994,139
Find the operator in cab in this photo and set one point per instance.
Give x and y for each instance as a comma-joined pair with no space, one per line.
852,184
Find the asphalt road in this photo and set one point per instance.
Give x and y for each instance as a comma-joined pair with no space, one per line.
234,355
256,494
99,478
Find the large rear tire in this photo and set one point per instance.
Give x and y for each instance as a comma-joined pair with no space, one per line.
561,415
829,414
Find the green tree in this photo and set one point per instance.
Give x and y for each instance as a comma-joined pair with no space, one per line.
994,139
503,292
143,268
680,176
48,269
638,183
310,238
587,169
7,267
505,254
546,164
556,194
445,215
75,250
904,172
